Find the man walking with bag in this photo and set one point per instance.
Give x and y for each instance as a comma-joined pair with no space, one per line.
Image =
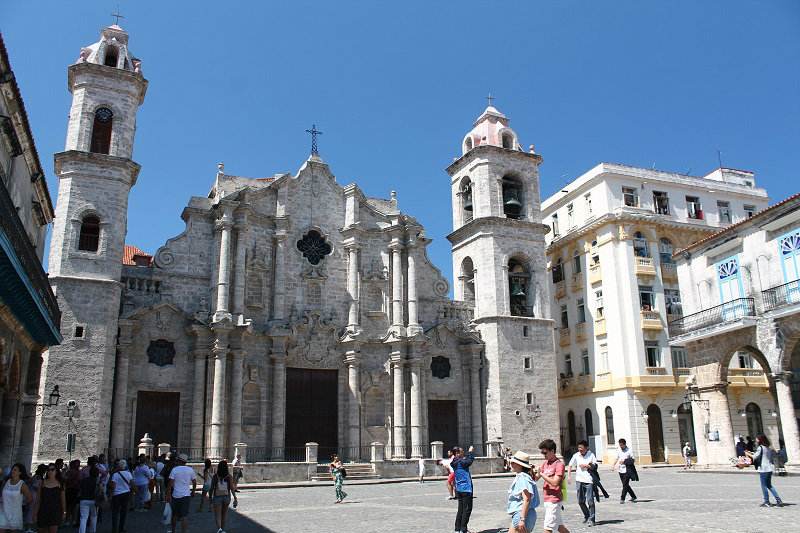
583,461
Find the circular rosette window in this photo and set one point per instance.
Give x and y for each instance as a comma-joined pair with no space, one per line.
440,367
314,247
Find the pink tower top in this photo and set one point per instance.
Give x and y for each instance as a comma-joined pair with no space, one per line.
492,129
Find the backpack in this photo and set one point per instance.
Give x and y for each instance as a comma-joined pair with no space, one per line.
343,472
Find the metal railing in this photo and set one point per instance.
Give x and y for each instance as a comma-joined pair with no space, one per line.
11,225
521,310
728,311
786,294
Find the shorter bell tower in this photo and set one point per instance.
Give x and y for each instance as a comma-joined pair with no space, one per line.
96,173
499,264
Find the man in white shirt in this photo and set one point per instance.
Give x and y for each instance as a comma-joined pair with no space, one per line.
583,461
624,454
178,495
160,478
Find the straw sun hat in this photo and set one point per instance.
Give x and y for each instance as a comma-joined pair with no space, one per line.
522,459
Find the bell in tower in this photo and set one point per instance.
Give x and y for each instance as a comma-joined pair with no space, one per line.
512,207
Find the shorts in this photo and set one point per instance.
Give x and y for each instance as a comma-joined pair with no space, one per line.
451,478
530,519
552,515
207,486
222,500
180,507
688,460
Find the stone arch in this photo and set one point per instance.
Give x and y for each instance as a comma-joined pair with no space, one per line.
467,279
466,199
513,198
789,329
521,288
468,144
111,56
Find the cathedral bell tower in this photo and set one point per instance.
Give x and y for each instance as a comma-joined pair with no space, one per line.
499,265
95,173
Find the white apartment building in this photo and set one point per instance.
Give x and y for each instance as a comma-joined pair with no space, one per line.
614,288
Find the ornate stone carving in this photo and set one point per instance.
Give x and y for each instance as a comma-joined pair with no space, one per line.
164,258
314,338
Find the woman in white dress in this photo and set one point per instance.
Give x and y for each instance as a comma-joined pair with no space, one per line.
15,491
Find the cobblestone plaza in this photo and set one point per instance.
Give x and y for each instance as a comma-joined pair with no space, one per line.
670,501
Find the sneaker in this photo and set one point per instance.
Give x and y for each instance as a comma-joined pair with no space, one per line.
633,500
779,503
765,504
592,524
585,520
219,530
621,502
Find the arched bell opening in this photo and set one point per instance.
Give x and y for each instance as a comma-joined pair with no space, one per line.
519,289
513,202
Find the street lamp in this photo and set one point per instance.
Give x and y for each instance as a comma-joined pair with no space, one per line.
52,400
71,405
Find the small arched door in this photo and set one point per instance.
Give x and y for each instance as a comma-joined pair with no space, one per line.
755,427
589,423
656,433
571,429
686,426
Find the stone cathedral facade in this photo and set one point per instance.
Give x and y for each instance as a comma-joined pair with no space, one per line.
292,309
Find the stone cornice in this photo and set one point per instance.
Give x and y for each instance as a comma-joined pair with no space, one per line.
488,150
482,222
126,76
123,163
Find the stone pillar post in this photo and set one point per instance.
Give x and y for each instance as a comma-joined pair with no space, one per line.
399,411
719,419
353,400
786,411
163,448
235,424
220,353
413,319
312,452
352,285
397,282
240,448
225,226
146,445
278,397
121,422
278,281
241,265
416,410
437,449
377,449
475,400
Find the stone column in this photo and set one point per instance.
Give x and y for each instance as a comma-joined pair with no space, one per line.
278,281
198,395
278,398
235,424
399,411
413,319
719,415
312,452
225,226
241,266
121,422
786,411
437,449
352,285
475,400
416,410
353,401
397,282
220,354
377,449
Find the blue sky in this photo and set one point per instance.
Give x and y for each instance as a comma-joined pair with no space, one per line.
395,86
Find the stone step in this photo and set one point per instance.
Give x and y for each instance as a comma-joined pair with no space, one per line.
354,471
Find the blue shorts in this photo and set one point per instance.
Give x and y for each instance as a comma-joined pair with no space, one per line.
530,519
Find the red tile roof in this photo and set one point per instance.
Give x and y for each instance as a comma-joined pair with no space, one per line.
731,227
131,252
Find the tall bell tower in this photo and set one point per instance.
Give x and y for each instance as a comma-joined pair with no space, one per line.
96,173
499,263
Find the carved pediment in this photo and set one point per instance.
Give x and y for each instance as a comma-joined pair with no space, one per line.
314,338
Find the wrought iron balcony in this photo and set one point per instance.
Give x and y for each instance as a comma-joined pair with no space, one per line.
706,318
782,295
25,284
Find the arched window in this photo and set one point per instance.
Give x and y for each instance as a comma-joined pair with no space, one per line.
640,248
589,422
508,141
251,405
466,199
468,145
518,284
665,250
609,427
112,55
755,426
89,238
375,406
576,262
558,271
467,279
512,198
101,131
571,433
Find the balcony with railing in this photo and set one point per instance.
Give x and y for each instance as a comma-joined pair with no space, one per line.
561,289
580,332
651,320
729,312
644,266
24,287
595,274
681,374
669,271
564,337
600,326
781,296
747,377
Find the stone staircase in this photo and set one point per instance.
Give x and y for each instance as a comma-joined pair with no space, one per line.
354,471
